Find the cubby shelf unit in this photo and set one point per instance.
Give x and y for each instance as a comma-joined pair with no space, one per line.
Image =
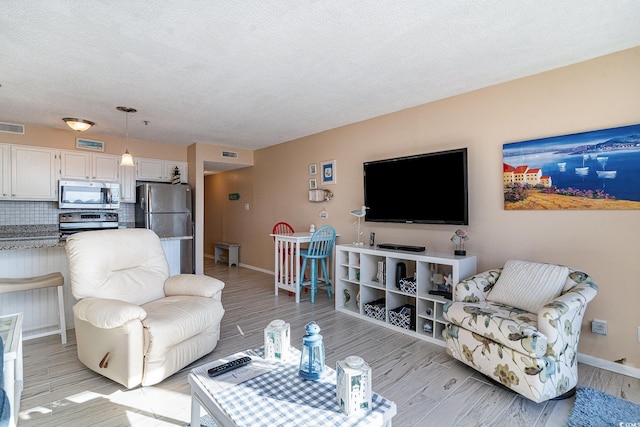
366,274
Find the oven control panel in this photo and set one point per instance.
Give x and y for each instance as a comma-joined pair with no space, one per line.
68,217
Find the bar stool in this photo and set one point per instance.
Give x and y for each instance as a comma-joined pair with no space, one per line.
320,248
40,282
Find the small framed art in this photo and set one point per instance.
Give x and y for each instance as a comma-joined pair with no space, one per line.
313,169
88,144
313,184
328,172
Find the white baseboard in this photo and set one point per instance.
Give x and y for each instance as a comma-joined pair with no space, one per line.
609,365
251,267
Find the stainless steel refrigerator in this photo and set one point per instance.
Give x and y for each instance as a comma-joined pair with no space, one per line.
166,209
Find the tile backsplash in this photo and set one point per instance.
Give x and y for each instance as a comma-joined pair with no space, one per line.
36,213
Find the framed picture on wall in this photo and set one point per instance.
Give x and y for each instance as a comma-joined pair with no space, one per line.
313,184
88,144
328,172
313,169
598,169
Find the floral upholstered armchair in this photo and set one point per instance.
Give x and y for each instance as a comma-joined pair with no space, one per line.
520,325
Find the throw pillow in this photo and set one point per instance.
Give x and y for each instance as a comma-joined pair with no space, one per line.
528,285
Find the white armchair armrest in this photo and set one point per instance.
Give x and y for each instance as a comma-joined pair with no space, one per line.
107,313
193,285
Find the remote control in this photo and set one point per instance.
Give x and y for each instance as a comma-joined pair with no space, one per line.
229,366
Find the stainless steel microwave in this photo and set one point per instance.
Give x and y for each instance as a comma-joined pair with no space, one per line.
89,195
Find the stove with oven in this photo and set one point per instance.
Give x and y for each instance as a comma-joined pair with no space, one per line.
75,222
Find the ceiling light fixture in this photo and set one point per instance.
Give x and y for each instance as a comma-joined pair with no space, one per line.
127,159
78,124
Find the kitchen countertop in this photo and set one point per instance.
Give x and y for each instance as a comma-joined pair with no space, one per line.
13,237
29,236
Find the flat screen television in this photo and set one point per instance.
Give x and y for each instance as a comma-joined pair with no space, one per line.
428,188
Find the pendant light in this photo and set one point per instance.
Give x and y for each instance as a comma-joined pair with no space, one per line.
127,159
78,124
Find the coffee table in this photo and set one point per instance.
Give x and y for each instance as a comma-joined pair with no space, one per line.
267,394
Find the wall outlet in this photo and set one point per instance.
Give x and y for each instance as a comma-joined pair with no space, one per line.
599,327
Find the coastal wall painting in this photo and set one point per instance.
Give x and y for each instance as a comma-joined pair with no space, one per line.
591,170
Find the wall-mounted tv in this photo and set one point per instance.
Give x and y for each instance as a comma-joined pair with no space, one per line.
428,188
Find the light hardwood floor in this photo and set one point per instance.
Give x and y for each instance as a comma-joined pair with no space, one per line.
428,386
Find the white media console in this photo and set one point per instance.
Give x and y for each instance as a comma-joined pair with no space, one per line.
367,286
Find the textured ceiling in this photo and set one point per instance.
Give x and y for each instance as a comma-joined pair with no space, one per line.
250,74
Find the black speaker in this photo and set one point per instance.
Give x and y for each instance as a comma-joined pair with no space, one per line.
401,272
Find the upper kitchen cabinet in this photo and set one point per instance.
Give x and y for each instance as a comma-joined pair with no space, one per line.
34,173
92,166
5,171
159,170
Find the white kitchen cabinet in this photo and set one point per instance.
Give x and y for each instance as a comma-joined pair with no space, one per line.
367,286
105,167
5,171
127,184
92,166
159,170
34,173
149,169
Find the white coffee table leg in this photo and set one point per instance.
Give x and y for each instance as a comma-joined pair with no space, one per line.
195,410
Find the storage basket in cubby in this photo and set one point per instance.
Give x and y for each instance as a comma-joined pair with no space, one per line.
408,285
375,309
403,316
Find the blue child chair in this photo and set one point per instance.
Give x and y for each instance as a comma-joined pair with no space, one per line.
320,248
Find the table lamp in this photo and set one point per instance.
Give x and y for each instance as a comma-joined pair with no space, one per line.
312,358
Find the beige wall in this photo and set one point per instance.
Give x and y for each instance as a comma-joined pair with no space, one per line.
597,94
225,220
198,154
66,139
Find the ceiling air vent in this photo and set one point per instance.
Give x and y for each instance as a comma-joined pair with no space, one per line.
230,154
11,128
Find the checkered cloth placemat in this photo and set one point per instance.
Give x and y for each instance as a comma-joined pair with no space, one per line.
282,398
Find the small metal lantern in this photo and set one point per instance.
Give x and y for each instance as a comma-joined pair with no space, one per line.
277,341
312,358
353,385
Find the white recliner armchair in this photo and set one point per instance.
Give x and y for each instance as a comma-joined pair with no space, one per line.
134,324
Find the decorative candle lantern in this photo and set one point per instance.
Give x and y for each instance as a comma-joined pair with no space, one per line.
312,358
277,341
353,385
